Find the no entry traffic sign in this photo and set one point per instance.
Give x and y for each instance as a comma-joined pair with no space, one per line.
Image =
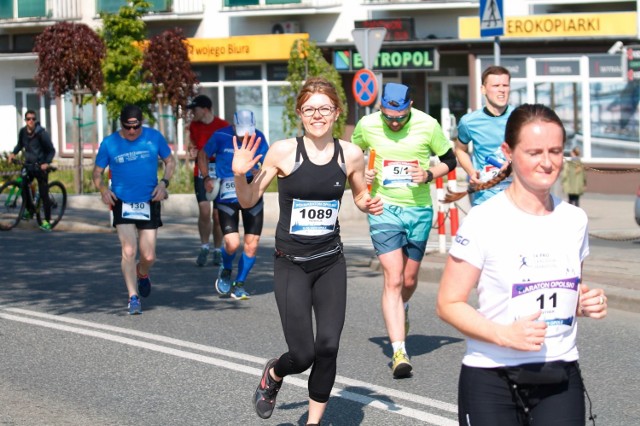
365,87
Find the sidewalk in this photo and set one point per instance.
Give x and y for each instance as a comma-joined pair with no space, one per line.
614,237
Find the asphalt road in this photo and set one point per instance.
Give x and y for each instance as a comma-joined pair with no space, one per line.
71,355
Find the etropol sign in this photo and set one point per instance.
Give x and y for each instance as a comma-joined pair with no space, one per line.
426,59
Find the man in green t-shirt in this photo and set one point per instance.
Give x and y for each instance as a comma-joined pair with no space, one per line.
404,140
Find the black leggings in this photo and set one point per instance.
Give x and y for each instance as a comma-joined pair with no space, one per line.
297,293
485,399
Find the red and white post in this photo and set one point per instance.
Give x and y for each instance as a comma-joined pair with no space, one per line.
442,210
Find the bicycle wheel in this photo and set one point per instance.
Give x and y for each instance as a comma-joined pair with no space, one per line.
11,205
58,197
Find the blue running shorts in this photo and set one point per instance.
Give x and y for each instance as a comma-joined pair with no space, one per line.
397,227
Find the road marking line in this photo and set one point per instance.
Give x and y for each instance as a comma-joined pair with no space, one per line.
365,400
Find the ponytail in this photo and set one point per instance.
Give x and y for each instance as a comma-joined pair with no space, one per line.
450,197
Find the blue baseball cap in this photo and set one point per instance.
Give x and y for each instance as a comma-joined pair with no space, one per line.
396,97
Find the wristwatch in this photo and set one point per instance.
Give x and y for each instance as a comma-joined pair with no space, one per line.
429,176
166,182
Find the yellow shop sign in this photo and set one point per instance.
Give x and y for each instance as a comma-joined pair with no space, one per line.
559,25
264,47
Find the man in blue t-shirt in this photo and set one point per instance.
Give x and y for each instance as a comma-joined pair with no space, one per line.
223,189
134,195
485,128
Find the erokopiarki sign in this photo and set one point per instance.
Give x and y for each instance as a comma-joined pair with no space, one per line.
426,58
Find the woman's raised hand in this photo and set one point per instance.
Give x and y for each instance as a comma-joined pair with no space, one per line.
244,156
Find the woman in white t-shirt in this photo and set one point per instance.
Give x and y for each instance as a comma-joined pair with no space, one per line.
524,249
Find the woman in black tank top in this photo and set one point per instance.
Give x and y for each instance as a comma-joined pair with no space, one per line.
309,268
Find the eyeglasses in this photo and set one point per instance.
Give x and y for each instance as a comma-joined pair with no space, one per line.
30,119
131,127
309,111
397,118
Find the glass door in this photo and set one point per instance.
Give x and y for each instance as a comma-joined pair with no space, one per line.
448,101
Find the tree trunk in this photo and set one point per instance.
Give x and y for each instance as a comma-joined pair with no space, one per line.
78,176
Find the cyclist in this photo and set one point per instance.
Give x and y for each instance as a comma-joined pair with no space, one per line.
38,154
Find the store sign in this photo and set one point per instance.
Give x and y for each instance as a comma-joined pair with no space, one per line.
427,59
400,29
265,47
609,66
558,25
632,60
558,68
517,66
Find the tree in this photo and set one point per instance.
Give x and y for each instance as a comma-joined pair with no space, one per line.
167,67
69,60
306,60
123,34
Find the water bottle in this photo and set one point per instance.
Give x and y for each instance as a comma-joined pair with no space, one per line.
490,159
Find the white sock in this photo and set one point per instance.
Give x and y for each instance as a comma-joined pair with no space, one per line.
397,346
205,246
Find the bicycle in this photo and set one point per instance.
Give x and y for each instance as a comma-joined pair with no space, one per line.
14,208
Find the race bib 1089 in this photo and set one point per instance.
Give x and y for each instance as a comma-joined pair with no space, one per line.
313,217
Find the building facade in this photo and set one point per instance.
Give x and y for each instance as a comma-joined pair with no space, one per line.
567,54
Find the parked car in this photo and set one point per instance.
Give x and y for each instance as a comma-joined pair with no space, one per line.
637,209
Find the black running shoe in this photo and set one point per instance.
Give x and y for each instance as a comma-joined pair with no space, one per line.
264,399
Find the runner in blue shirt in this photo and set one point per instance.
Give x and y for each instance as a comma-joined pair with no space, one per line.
134,195
220,145
484,129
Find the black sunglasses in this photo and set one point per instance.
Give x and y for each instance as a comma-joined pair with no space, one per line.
131,127
398,118
30,119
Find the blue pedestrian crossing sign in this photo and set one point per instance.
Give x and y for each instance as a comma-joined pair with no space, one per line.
491,18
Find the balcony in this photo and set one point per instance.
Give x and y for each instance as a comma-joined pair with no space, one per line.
409,5
423,2
178,7
262,5
18,11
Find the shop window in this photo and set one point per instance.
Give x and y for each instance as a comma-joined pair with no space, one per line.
614,119
275,114
244,97
88,129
